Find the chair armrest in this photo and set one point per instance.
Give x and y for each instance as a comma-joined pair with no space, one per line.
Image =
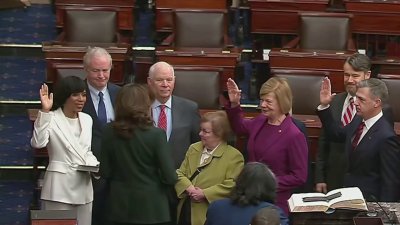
122,38
168,40
228,42
293,43
350,45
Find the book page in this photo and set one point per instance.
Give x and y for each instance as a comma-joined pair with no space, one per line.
352,195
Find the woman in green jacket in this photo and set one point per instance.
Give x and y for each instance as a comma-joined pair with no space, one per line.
217,163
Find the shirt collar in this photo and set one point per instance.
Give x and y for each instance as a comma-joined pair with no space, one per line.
156,104
371,121
95,91
210,152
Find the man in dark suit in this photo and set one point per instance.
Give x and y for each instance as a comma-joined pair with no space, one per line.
97,64
331,163
372,147
182,119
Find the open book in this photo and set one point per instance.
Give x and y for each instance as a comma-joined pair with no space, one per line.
342,198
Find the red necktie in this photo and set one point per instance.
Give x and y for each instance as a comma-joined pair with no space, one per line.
348,114
357,135
162,119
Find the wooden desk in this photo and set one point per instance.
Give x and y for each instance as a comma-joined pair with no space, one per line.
386,65
375,17
280,17
345,217
164,16
216,58
124,10
72,55
329,61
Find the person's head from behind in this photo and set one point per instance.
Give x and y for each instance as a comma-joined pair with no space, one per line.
132,109
97,63
275,97
214,128
256,183
266,216
161,81
370,96
356,68
70,95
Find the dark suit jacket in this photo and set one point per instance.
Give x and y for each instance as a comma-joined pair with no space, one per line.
140,171
332,161
97,127
374,164
185,127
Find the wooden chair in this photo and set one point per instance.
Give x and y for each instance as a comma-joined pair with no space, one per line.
392,82
91,25
199,29
199,84
324,31
305,85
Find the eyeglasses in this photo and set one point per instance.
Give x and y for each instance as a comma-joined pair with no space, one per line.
99,70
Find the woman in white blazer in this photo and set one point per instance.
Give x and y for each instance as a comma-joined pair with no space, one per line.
66,132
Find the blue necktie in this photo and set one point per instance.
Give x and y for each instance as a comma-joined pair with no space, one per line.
101,111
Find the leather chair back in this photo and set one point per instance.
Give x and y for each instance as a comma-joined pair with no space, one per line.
90,26
305,87
200,85
199,28
325,31
393,84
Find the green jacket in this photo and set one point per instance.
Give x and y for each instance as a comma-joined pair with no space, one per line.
216,179
140,171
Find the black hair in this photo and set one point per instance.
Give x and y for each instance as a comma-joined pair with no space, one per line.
65,88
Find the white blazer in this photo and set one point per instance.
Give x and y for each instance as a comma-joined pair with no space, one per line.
62,182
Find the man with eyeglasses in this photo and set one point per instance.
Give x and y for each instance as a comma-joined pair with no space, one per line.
179,117
100,106
332,160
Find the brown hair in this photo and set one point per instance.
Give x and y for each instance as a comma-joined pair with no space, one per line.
132,109
282,91
219,123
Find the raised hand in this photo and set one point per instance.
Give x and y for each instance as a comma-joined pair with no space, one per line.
325,94
45,98
233,92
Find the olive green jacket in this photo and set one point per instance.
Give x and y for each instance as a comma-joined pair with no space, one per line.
216,179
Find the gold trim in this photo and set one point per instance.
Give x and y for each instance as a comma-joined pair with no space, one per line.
21,45
20,167
18,102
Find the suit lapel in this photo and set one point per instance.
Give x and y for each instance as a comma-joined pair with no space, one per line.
65,130
337,106
174,115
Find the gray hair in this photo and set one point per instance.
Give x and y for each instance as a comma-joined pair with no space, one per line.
95,52
377,88
359,62
158,65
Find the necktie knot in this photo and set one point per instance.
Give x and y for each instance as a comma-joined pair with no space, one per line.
101,95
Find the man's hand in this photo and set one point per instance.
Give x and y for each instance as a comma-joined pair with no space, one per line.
321,187
325,94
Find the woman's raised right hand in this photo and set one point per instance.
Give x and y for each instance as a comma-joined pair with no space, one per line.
46,98
233,92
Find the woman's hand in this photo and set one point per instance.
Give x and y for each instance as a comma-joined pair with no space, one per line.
234,93
198,195
45,98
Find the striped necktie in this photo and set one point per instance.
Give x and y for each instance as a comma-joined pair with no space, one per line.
162,119
348,114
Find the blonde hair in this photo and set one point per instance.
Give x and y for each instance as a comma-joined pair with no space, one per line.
280,87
